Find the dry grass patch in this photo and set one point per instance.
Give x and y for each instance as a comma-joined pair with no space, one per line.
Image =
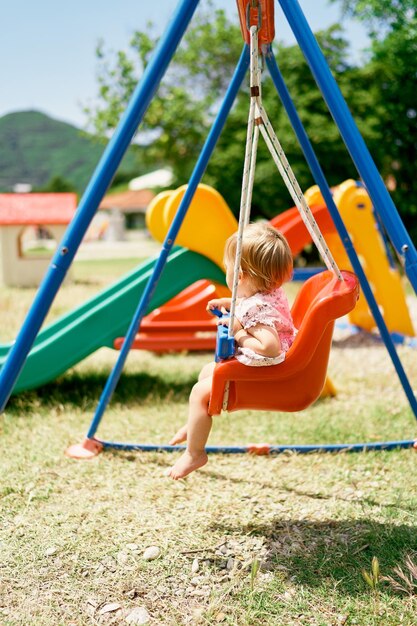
73,535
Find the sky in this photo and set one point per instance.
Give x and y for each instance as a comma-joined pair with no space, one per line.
48,47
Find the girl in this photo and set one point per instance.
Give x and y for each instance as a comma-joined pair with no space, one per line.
263,328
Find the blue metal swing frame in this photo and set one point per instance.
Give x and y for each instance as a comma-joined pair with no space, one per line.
141,98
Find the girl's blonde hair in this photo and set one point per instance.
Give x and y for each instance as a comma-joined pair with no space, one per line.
266,255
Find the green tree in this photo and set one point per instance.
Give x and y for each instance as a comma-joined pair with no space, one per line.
177,120
180,115
392,27
379,15
270,195
58,184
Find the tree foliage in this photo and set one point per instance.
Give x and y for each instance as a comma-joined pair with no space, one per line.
381,15
270,195
182,110
392,27
58,184
380,95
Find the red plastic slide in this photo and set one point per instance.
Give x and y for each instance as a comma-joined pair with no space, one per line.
184,324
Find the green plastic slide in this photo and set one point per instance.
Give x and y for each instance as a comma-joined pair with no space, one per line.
97,322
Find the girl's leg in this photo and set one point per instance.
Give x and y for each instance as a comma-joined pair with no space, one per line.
207,370
181,434
198,429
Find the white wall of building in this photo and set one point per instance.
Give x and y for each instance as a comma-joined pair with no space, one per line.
23,271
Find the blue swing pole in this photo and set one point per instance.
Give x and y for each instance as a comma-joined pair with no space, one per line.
95,191
320,179
355,144
195,179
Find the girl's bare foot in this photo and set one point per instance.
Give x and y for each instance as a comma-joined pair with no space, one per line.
188,463
179,436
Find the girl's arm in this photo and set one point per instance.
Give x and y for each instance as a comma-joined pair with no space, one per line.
261,338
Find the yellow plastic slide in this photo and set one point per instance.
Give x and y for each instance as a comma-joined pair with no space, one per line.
209,222
355,208
206,226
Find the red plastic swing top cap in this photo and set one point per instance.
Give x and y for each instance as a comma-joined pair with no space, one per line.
249,12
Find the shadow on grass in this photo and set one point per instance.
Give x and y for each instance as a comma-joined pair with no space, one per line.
330,553
359,340
410,508
362,501
84,391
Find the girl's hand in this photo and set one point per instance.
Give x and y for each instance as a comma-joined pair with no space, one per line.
226,322
223,304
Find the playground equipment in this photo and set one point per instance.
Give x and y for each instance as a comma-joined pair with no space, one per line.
267,389
262,15
355,208
168,329
182,323
298,381
98,322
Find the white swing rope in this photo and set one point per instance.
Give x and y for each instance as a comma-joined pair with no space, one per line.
297,195
289,178
259,122
248,177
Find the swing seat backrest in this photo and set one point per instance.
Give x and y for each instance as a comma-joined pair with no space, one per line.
298,381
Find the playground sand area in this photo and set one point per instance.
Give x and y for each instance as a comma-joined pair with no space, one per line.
247,540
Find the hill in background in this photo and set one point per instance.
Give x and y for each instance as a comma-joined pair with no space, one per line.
35,148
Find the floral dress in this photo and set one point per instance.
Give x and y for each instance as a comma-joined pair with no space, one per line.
271,309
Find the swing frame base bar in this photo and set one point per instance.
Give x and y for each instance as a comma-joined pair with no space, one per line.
90,448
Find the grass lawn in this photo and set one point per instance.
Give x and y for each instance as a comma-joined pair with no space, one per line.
247,541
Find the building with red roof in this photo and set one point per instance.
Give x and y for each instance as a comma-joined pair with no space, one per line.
31,214
128,201
125,209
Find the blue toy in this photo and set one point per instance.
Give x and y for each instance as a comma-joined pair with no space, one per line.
225,345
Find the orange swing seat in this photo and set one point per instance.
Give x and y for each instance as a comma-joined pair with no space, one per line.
298,381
